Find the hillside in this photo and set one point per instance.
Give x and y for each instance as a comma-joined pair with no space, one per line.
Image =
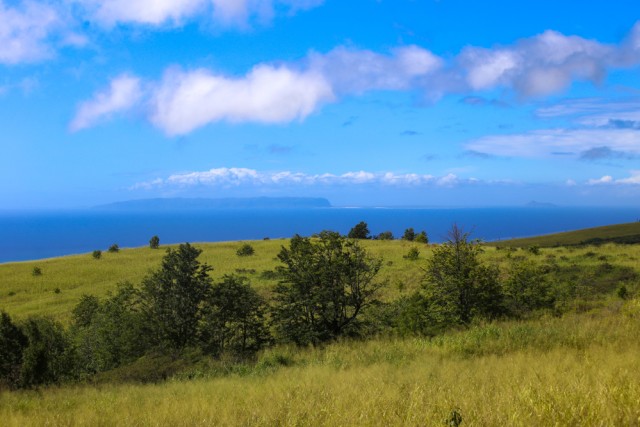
23,294
620,233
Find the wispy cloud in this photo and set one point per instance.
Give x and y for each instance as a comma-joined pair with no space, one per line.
123,93
31,31
233,177
228,13
633,179
543,143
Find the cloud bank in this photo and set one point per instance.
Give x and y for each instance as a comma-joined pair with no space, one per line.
234,177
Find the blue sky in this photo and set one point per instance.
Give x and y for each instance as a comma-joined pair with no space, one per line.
364,102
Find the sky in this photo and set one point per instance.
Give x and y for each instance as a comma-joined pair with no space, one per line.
363,102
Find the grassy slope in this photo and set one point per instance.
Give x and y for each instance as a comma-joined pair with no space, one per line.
22,294
577,370
606,233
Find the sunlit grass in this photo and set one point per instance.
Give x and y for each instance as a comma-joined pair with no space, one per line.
587,374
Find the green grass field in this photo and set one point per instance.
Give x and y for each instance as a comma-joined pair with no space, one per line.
23,294
581,368
619,233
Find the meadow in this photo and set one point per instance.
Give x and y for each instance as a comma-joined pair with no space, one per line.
576,365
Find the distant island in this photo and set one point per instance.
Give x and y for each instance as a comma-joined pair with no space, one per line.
535,204
178,203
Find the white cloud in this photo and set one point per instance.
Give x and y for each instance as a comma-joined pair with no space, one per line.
123,93
25,32
550,142
634,179
233,177
537,66
184,101
237,13
547,63
357,71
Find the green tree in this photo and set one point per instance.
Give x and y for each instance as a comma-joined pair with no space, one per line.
385,235
359,231
172,296
409,234
12,345
48,356
97,254
110,333
114,248
421,237
234,319
326,284
154,242
458,285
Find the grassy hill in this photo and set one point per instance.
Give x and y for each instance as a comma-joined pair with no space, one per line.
65,279
578,368
620,233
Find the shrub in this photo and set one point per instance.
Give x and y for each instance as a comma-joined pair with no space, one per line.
413,254
245,250
37,271
114,248
97,254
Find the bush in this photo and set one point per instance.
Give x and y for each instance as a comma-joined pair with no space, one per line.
245,250
154,242
12,344
97,254
413,254
37,271
114,248
385,235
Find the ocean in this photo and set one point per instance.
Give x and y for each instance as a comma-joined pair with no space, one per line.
36,235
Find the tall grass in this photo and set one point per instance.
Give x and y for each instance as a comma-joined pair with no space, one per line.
580,370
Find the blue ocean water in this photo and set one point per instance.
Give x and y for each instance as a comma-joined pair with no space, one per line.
35,235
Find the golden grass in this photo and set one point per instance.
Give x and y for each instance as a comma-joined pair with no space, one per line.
575,382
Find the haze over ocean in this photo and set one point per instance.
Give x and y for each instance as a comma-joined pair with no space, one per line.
36,235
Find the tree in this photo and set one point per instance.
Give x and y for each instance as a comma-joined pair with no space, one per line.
359,231
114,248
409,234
385,235
97,254
233,321
326,284
154,242
111,332
12,345
47,357
421,237
173,294
458,286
